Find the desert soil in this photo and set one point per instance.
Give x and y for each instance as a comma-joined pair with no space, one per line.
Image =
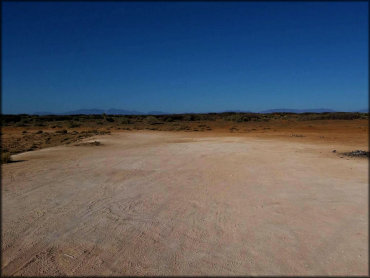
165,203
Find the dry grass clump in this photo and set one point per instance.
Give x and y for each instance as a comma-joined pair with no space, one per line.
125,121
73,125
151,120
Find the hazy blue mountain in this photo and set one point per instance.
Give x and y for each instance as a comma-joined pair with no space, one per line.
113,111
235,111
43,113
83,111
282,110
110,111
157,113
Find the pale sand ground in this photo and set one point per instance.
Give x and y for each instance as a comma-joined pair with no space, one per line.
148,203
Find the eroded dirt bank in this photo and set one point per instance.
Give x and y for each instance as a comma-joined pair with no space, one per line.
161,203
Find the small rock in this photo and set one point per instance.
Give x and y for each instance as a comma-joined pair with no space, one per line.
334,151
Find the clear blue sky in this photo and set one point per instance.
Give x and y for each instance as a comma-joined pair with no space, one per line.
184,56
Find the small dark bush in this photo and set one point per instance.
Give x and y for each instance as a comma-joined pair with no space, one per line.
64,131
33,147
125,121
6,157
151,120
21,123
332,116
73,125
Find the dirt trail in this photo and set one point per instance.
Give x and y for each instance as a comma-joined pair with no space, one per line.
147,203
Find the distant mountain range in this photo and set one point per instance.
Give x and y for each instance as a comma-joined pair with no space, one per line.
318,110
113,111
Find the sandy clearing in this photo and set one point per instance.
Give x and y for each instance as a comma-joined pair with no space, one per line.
147,203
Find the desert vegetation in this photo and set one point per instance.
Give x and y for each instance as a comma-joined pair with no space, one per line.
5,157
30,132
74,121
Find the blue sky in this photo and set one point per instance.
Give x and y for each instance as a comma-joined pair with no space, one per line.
184,56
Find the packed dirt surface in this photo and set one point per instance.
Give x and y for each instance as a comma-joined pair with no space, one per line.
187,203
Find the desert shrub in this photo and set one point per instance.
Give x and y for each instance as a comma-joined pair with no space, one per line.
37,122
73,124
21,123
95,143
125,121
5,119
5,157
151,120
107,118
245,117
64,131
33,147
182,127
172,118
330,116
188,117
94,116
39,132
212,116
78,118
168,119
198,117
102,132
